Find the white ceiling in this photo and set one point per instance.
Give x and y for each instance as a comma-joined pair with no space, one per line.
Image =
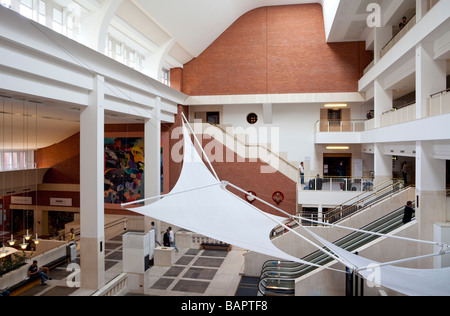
191,26
195,24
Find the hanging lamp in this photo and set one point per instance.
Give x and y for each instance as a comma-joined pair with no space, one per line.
12,241
36,240
23,245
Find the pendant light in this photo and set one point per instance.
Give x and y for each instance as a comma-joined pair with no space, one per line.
12,241
36,240
3,252
27,236
23,245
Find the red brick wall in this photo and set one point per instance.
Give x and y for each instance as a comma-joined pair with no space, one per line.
246,175
280,49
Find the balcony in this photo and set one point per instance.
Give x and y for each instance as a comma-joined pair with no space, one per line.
439,103
339,132
411,22
398,116
333,191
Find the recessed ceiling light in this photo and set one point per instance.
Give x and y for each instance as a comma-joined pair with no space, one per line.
338,147
339,105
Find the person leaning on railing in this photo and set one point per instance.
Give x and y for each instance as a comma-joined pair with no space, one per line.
408,212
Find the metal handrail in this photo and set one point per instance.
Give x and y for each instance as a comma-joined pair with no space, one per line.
360,204
346,207
275,271
252,145
440,92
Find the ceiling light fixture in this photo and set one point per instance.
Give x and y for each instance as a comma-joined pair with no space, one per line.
338,105
338,147
12,241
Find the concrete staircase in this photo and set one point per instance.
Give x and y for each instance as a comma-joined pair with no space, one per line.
238,143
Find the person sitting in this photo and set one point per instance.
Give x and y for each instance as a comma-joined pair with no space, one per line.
35,272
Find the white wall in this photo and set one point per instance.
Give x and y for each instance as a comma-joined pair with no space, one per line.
294,122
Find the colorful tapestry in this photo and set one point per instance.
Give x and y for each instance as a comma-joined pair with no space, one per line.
124,169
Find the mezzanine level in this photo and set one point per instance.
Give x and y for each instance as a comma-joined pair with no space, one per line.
434,118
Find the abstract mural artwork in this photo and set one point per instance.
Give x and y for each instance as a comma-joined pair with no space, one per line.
124,169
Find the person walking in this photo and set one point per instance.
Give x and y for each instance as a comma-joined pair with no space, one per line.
156,237
172,239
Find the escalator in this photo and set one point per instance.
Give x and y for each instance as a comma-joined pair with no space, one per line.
278,277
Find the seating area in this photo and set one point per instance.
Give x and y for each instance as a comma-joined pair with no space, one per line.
215,246
28,283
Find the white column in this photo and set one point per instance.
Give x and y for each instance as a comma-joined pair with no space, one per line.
430,193
421,9
382,101
442,235
382,36
382,164
91,189
268,113
152,150
430,77
320,213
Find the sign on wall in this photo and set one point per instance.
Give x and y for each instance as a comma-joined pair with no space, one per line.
23,200
60,202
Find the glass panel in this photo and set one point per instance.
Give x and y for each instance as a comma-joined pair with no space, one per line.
26,8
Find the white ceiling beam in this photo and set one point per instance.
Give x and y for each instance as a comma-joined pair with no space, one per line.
97,23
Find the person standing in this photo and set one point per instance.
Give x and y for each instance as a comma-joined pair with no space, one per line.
166,238
72,238
405,172
172,239
403,23
340,169
408,212
302,173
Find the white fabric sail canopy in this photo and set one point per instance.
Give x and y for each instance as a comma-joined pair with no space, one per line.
412,282
200,203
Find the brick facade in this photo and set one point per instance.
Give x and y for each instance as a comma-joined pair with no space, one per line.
272,50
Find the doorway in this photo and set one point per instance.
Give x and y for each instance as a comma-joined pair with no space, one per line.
331,164
21,221
213,117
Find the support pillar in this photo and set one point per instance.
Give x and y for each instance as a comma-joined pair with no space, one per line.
431,77
430,194
421,9
382,36
152,149
382,165
382,102
92,190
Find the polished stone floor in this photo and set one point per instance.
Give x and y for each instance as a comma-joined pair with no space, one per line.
198,272
195,273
